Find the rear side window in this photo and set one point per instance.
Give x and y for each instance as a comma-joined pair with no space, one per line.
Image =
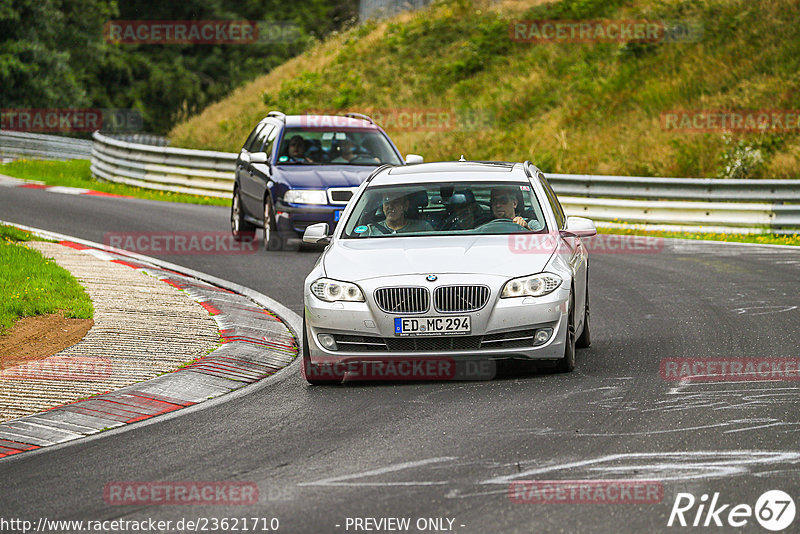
558,211
270,141
261,138
248,145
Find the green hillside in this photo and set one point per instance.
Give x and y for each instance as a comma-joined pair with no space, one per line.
569,107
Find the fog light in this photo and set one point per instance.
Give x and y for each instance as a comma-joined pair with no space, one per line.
542,335
327,341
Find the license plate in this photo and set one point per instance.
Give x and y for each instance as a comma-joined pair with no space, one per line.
336,215
432,326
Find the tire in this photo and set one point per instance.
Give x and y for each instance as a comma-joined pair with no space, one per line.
239,227
272,239
585,340
307,362
567,363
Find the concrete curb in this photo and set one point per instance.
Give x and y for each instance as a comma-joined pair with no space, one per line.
257,343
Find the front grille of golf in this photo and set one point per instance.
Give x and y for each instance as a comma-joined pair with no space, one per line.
402,299
504,340
456,299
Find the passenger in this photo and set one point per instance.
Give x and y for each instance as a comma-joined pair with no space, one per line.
297,150
395,205
347,153
504,205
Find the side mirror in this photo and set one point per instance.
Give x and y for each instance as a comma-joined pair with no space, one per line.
259,157
579,227
413,159
316,234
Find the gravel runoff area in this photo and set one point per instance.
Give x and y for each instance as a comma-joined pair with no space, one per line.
143,328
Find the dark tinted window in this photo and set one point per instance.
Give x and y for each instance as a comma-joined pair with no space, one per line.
343,146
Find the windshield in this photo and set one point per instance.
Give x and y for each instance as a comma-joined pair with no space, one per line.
345,146
445,209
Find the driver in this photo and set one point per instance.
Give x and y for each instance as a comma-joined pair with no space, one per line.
504,205
395,205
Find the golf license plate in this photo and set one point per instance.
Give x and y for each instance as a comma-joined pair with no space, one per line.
432,326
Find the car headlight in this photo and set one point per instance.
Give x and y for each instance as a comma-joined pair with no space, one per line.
333,290
305,196
531,286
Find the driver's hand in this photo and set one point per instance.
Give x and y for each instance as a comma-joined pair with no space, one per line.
520,221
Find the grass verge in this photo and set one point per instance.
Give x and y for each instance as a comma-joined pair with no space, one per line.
76,173
34,285
762,239
595,108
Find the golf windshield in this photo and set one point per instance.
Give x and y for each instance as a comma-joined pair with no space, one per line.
446,209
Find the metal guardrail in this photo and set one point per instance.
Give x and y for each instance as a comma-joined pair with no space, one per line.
39,146
197,172
702,189
681,203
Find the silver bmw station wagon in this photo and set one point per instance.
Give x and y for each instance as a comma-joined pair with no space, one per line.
437,265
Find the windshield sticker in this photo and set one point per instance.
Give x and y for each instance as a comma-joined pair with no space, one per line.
283,158
360,229
524,188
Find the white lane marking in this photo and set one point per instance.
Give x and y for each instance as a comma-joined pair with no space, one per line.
105,256
341,480
67,190
664,465
768,310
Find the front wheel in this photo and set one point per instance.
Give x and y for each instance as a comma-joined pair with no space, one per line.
308,370
239,227
272,239
567,363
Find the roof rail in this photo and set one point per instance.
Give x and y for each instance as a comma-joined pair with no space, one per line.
378,170
360,116
527,171
279,114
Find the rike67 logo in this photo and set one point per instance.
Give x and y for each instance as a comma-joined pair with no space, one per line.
774,510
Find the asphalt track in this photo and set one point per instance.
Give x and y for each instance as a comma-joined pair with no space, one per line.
321,455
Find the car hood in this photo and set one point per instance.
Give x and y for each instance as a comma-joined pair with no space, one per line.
323,176
361,259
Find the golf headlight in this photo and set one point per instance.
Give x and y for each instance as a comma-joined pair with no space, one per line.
531,286
333,290
305,196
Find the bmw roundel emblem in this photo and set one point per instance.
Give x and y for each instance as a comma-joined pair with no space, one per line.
431,278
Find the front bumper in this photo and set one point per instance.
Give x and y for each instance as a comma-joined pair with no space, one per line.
293,219
497,329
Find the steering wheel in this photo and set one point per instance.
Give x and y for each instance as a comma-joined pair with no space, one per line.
499,225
